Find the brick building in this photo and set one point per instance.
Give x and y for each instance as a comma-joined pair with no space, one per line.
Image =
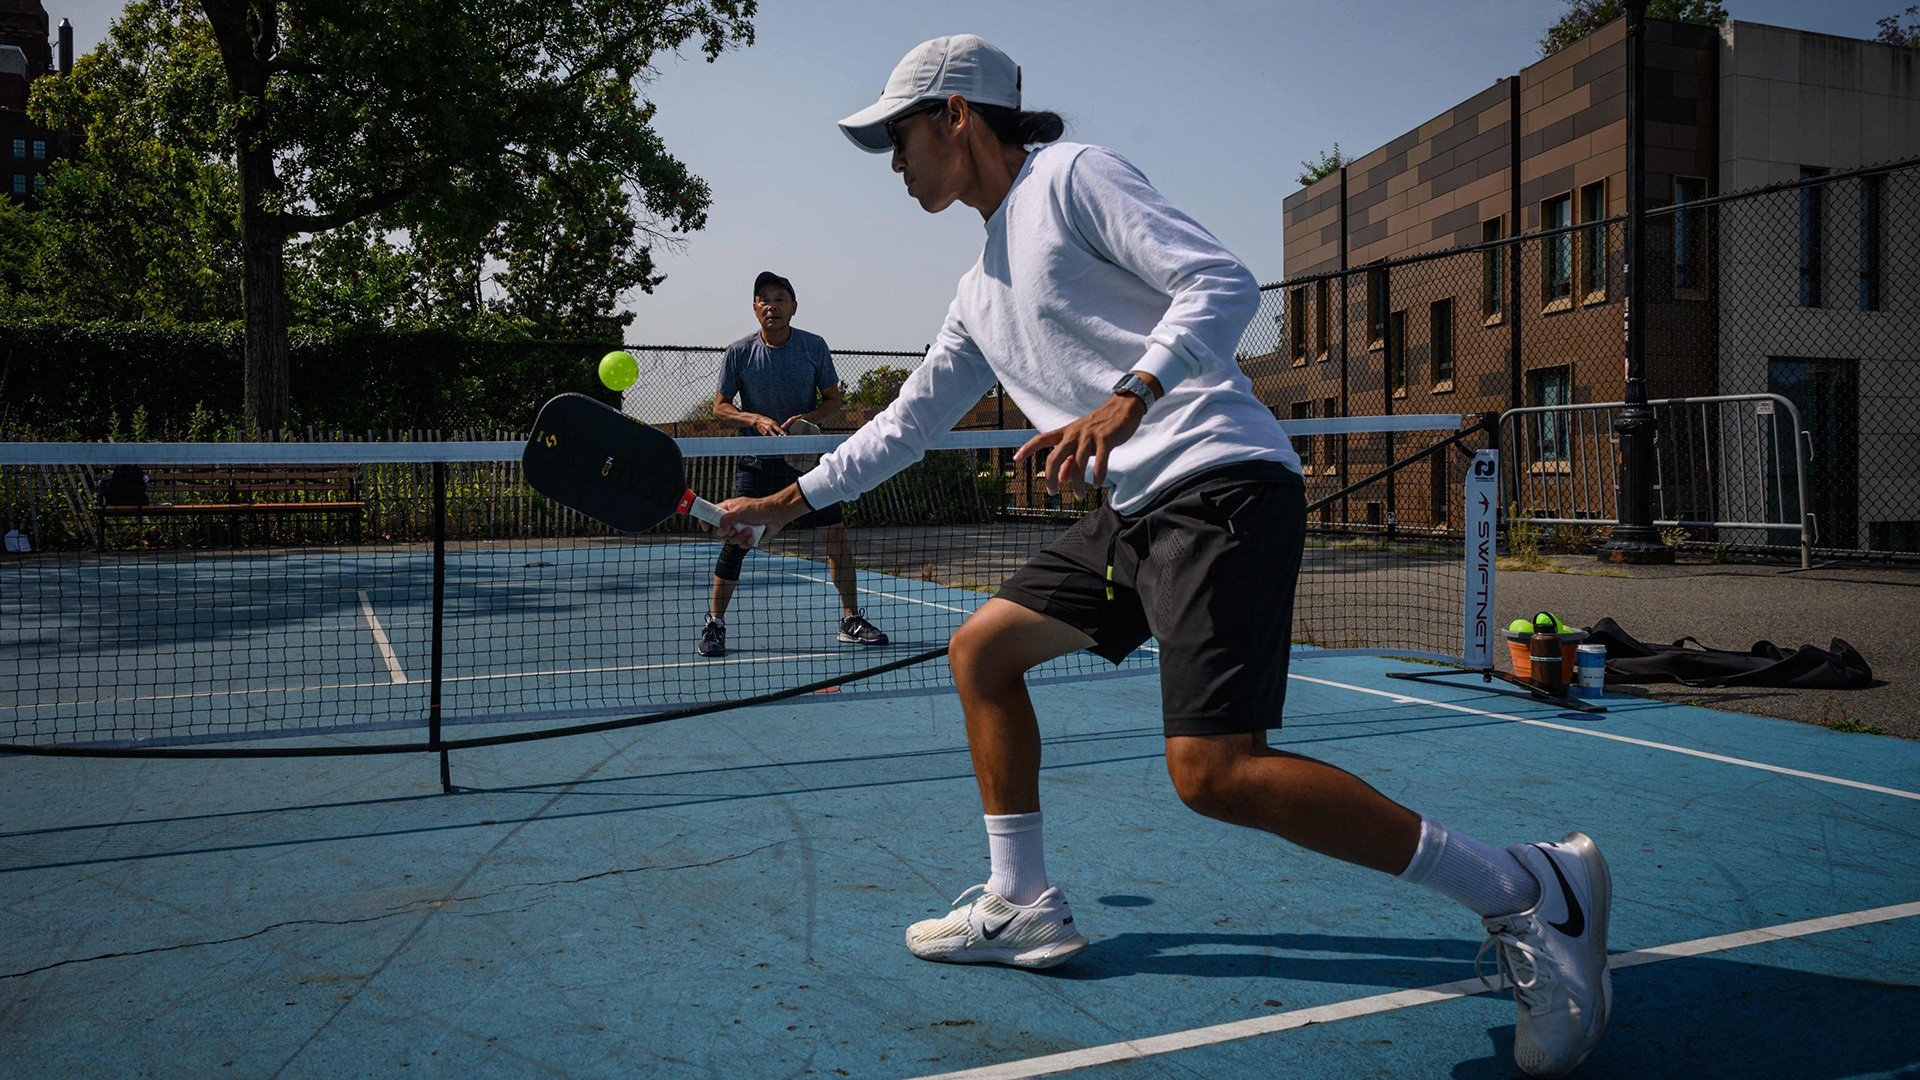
27,150
1740,298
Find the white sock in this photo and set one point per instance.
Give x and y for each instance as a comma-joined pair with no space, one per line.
1485,878
1019,857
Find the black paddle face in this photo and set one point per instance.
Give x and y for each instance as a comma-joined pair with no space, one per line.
614,469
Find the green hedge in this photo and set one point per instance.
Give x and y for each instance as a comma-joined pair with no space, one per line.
63,380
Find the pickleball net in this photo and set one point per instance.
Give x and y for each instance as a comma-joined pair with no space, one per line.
435,601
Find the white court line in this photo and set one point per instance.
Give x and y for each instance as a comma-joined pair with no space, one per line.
1403,699
890,596
398,673
1135,1049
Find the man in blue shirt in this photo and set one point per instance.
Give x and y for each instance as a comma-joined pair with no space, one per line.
781,375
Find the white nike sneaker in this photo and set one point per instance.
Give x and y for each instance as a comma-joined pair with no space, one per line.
1555,955
986,928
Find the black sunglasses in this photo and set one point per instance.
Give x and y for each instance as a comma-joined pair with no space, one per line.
892,127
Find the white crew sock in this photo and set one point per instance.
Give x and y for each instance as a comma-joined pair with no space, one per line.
1019,857
1485,878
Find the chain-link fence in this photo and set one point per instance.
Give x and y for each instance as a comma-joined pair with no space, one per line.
677,383
1809,290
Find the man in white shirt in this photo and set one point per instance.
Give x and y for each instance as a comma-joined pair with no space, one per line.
1111,318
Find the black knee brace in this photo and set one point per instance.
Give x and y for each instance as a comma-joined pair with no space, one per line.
727,566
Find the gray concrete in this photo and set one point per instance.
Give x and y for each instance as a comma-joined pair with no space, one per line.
1731,606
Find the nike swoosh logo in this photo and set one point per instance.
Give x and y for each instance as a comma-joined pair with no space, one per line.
1576,923
991,932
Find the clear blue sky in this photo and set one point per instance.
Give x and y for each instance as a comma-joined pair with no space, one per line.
1216,100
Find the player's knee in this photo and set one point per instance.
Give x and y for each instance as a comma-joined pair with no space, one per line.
727,566
1203,778
974,658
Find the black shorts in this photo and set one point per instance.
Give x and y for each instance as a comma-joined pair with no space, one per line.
759,477
1209,570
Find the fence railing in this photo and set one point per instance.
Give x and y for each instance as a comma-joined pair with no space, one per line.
1729,470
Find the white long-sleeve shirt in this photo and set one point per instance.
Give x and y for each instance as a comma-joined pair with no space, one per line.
1088,273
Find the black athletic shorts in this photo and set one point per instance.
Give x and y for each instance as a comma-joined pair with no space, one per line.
759,477
1208,569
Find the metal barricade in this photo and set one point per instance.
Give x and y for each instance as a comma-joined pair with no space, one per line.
1729,469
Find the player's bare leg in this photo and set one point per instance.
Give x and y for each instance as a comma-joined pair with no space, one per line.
1015,917
1239,779
840,567
854,627
722,596
990,655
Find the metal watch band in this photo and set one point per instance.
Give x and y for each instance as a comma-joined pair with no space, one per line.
1137,386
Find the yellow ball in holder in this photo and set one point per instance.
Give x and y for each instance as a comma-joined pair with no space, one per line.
618,369
1520,626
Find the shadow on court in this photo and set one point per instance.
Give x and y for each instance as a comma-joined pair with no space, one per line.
1709,1017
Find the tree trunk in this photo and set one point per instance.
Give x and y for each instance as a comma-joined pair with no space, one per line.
248,34
264,298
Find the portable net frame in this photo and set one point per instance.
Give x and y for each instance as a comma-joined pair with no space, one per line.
427,599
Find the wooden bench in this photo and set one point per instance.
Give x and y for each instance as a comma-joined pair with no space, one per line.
229,491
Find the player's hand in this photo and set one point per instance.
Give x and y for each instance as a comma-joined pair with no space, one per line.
739,516
1086,441
766,425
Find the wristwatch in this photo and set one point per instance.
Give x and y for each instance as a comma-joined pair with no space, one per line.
1138,387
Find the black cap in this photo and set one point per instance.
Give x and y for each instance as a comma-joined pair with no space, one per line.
768,277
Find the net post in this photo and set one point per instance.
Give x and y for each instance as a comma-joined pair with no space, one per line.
1481,531
439,613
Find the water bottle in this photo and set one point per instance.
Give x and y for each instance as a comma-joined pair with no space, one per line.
1591,665
1544,656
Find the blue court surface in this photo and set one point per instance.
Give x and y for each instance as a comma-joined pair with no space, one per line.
725,896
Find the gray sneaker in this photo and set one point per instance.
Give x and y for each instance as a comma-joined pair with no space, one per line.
856,630
713,637
1555,955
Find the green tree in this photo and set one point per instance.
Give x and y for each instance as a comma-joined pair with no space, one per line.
441,128
1893,33
1583,17
143,224
877,387
1331,161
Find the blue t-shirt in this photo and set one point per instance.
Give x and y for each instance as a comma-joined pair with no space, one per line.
778,382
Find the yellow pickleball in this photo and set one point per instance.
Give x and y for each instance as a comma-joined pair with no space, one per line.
618,369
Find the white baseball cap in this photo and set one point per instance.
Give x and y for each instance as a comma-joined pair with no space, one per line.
934,71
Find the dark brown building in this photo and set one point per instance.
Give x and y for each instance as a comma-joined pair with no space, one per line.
1542,150
27,150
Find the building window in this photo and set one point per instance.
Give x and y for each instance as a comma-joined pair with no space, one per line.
39,183
1550,386
39,149
1303,410
19,183
19,148
1376,306
1810,239
1297,325
1397,354
1493,273
1593,243
1440,347
1689,238
1556,258
1870,243
1322,304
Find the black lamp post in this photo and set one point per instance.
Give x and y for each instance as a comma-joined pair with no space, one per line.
1635,540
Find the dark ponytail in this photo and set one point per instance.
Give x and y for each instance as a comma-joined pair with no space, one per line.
1015,127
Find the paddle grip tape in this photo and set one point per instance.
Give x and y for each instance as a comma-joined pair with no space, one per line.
705,511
